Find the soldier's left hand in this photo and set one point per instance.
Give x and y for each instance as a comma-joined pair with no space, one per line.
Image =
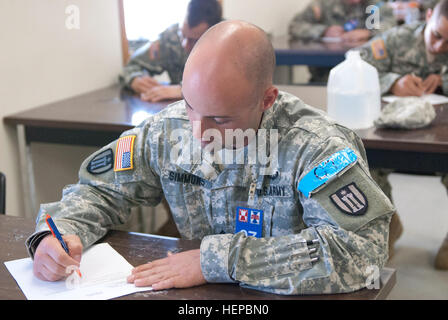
431,83
160,93
180,270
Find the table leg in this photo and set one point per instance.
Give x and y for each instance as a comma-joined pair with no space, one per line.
27,173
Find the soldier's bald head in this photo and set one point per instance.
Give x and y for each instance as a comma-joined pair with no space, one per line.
234,49
227,81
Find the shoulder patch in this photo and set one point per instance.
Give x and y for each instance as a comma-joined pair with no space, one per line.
124,154
326,171
379,49
101,163
350,200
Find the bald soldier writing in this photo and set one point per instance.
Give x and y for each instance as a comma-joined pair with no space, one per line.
308,220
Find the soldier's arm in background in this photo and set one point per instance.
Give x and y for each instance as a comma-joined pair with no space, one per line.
103,197
147,61
387,19
379,53
309,24
349,246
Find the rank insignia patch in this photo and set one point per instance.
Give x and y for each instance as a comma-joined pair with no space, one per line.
124,154
101,163
379,49
350,200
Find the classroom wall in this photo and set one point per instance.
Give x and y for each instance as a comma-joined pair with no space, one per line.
272,16
43,61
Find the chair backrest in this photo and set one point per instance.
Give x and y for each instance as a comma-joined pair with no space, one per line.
2,193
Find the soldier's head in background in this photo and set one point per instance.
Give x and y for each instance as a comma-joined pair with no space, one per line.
227,81
201,15
436,31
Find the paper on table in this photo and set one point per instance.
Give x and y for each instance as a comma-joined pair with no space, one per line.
104,273
431,98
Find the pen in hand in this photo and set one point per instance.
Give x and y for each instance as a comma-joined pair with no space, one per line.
54,230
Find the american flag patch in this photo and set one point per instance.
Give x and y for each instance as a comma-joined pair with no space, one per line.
124,154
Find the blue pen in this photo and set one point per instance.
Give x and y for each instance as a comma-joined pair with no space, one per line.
54,230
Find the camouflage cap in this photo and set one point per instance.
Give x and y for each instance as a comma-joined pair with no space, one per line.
406,113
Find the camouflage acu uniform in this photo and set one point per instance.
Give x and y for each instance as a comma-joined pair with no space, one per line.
401,51
171,58
322,14
203,197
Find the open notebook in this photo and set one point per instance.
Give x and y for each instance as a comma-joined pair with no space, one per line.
104,272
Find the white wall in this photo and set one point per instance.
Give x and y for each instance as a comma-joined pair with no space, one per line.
272,16
41,61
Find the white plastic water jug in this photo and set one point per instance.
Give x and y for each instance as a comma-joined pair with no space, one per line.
354,96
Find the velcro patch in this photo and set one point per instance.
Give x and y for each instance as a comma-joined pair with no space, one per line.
124,154
350,200
101,163
379,49
326,171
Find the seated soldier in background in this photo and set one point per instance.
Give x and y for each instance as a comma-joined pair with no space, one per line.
169,53
411,61
401,9
345,19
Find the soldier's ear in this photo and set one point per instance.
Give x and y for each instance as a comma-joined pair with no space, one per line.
429,13
270,95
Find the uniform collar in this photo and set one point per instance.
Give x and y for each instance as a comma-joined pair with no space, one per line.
195,161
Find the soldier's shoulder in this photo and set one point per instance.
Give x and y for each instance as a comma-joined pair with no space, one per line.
174,112
297,116
405,31
171,34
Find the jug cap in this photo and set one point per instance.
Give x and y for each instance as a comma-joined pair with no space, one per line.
353,54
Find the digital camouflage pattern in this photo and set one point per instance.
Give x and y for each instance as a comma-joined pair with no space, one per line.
401,51
171,58
322,14
406,113
203,197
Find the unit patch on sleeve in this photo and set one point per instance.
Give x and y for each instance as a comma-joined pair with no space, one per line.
124,154
350,200
379,49
101,163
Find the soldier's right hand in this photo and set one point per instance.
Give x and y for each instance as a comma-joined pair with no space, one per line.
143,84
407,86
51,262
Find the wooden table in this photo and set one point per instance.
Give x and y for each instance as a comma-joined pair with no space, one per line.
310,53
139,249
92,119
